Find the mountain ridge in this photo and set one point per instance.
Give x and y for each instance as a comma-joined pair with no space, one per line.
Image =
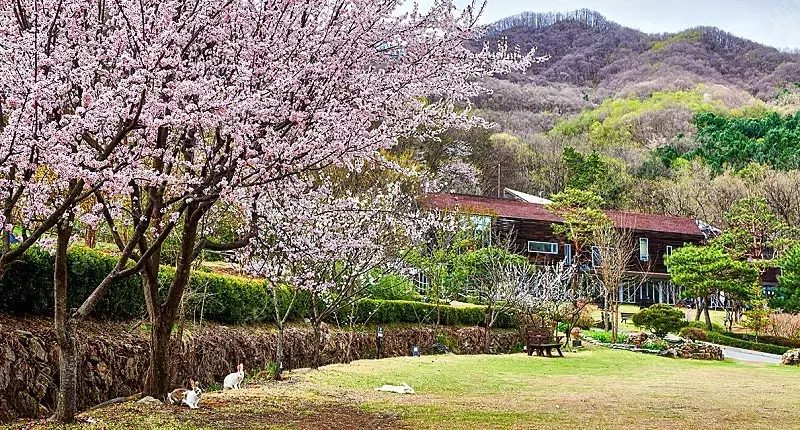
589,50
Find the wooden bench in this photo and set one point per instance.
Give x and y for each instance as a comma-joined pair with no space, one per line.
542,340
625,315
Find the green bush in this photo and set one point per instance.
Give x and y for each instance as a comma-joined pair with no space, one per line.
773,340
605,336
410,312
392,287
701,325
721,339
660,319
656,344
693,333
27,288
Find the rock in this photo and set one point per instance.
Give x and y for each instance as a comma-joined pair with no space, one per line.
149,401
669,353
791,357
694,351
671,338
638,339
37,350
9,354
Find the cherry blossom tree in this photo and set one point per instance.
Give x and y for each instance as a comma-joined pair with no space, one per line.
503,285
331,241
161,110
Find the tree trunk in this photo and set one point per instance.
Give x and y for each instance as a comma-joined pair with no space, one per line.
315,359
700,304
614,322
66,331
163,315
708,316
91,237
279,352
158,380
66,402
487,337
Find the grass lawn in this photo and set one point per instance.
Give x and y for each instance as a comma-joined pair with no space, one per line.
594,388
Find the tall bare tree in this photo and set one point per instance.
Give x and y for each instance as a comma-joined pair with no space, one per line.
615,261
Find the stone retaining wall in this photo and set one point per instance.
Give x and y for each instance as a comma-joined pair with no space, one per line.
114,360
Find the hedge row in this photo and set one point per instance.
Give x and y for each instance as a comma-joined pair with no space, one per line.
402,311
721,339
773,340
702,325
27,288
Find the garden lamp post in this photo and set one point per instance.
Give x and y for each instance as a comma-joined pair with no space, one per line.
379,340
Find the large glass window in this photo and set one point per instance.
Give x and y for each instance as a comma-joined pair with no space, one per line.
542,247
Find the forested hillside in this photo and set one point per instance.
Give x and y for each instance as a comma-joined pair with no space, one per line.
681,124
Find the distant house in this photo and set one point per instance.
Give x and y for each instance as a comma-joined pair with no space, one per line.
531,225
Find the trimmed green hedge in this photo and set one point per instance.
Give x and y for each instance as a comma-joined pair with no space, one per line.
27,288
702,325
773,340
403,311
721,339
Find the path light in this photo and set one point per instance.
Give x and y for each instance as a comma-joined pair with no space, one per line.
379,340
415,351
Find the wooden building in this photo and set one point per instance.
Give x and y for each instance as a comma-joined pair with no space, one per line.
530,225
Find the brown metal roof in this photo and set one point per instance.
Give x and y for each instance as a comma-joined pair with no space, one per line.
506,208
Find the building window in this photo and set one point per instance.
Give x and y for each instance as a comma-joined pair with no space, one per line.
567,254
423,284
596,258
644,249
667,253
542,247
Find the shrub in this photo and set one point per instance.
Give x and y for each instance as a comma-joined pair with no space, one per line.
660,319
701,325
784,325
392,287
404,311
605,336
715,337
657,344
693,333
27,288
773,340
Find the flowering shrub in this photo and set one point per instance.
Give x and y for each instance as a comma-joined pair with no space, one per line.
784,325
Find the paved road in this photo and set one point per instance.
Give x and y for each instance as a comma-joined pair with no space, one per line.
747,355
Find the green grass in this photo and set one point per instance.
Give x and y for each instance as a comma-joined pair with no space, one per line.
598,387
594,388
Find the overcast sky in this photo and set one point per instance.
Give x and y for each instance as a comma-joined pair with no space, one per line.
771,22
